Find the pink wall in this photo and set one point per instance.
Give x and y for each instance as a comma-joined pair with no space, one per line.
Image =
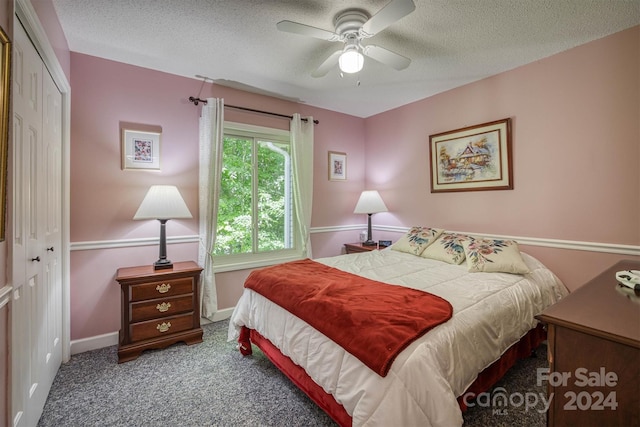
576,150
6,18
566,178
104,198
105,94
95,294
49,20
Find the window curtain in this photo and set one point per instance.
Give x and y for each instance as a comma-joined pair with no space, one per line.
302,154
211,140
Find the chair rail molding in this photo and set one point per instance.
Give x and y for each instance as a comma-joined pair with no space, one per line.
612,248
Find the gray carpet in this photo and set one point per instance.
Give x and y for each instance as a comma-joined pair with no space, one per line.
211,384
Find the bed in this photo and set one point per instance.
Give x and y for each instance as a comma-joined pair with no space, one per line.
492,317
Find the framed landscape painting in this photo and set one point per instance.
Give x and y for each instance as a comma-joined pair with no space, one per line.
472,159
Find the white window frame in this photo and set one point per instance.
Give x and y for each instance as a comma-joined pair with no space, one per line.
254,260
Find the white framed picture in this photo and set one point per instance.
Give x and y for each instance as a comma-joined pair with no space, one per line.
337,166
140,150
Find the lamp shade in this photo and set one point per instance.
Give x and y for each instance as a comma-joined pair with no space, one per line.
370,202
163,202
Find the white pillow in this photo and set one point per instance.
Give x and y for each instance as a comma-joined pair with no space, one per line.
448,248
489,255
416,240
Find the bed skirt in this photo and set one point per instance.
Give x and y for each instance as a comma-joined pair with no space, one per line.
485,380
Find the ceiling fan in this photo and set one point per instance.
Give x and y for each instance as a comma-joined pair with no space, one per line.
351,27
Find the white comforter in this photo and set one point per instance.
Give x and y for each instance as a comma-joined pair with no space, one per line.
491,311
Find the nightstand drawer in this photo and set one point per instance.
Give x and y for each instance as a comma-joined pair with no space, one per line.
160,289
161,307
160,327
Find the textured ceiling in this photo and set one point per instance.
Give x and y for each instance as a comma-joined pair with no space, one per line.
236,43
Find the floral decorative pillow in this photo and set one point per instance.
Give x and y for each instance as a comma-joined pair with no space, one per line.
447,248
502,256
416,240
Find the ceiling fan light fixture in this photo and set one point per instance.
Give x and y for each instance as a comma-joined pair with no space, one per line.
351,60
351,27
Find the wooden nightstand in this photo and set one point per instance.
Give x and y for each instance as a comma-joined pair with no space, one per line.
159,308
352,248
594,354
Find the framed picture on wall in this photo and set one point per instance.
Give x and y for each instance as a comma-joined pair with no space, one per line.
140,150
472,159
5,74
337,166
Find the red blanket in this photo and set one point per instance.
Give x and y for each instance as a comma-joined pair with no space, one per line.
373,321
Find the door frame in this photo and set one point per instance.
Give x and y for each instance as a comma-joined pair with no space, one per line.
27,15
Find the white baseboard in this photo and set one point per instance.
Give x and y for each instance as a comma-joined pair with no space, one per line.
107,340
223,314
94,343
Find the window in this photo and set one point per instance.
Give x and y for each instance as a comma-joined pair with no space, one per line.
256,210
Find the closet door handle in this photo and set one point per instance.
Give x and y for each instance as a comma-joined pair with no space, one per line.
36,259
50,249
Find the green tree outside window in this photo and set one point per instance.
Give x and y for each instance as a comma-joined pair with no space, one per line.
255,207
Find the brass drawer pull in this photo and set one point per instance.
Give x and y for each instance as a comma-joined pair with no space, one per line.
164,288
163,307
164,327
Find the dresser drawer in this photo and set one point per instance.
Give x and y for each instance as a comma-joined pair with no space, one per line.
161,307
160,289
160,327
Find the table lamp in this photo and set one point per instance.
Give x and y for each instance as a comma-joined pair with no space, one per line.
162,202
369,203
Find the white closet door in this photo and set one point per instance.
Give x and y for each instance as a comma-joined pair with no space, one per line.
52,260
36,276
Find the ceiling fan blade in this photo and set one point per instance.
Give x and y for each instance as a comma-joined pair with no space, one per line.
392,12
386,57
307,30
327,65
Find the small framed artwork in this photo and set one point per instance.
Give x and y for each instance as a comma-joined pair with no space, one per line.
337,166
140,150
472,159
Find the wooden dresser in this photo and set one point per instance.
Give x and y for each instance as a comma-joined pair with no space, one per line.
594,354
159,308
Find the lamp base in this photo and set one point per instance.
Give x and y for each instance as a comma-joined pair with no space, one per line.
162,264
370,243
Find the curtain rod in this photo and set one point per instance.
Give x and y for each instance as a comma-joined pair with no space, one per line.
204,101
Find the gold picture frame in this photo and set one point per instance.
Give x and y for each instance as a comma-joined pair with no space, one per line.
474,158
5,79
